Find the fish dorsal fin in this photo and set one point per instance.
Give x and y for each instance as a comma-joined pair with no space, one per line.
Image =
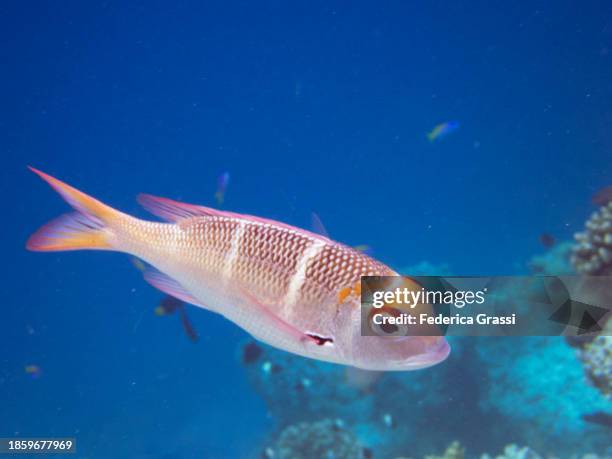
174,211
317,225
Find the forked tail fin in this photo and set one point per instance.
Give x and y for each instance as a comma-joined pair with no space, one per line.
90,227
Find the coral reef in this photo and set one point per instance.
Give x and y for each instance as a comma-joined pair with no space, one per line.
328,438
546,389
592,253
524,452
596,357
539,394
554,262
595,353
514,452
454,451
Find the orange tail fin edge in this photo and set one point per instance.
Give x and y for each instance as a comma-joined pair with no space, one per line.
87,228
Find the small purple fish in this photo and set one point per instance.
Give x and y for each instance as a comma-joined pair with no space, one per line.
191,333
169,305
222,183
603,196
251,352
442,130
547,240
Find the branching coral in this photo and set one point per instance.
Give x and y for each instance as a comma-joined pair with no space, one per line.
596,357
592,253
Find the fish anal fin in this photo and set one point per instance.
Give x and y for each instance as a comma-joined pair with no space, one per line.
169,286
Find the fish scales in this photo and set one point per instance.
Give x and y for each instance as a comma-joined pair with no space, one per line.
297,275
267,260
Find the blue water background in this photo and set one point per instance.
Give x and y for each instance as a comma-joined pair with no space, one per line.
310,106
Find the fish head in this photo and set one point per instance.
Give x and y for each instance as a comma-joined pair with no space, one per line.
384,352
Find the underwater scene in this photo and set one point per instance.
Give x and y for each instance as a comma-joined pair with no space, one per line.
195,193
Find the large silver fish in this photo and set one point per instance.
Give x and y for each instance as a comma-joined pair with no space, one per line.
288,287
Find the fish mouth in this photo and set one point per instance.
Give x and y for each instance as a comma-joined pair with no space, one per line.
432,356
440,352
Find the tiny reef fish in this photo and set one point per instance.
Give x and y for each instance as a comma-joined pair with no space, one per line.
33,370
288,287
169,305
442,130
603,196
547,240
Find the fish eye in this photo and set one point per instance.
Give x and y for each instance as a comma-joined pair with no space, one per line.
386,323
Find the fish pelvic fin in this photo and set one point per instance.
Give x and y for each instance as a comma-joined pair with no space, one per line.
87,228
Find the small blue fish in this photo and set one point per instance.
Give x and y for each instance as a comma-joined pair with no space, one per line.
222,183
34,371
442,130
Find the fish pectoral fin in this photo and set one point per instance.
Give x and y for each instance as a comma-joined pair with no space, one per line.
169,285
273,320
